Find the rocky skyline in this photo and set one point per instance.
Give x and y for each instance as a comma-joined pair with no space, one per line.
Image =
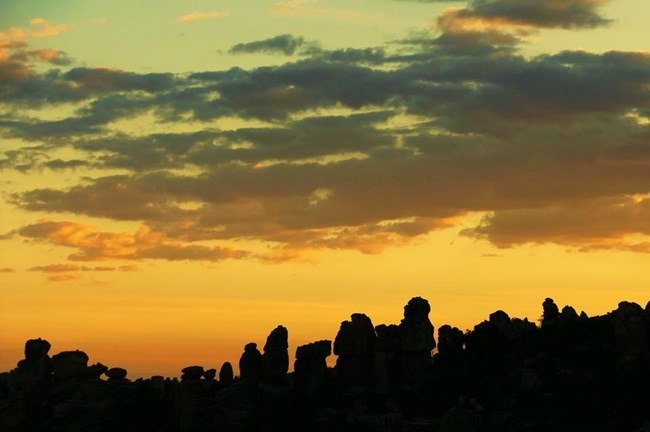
570,373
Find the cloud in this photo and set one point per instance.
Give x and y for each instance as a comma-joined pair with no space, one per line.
201,15
72,272
350,148
301,8
601,223
53,56
65,277
390,196
55,268
566,14
42,28
63,268
282,44
38,28
6,270
295,8
93,245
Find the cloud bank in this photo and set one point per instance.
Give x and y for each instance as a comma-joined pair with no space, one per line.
350,148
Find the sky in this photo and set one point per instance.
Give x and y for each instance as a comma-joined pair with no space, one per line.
178,178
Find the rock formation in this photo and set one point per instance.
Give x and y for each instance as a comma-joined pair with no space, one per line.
226,374
192,373
275,361
573,373
310,368
416,344
355,346
250,363
551,312
116,374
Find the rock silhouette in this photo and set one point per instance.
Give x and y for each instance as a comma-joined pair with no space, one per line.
355,346
571,373
250,363
275,360
310,369
226,374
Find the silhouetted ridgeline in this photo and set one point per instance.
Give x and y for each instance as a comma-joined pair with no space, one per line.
574,373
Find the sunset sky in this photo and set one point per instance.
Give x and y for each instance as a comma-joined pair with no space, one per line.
180,177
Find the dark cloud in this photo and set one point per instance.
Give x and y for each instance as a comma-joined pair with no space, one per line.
592,224
274,92
434,179
282,44
536,13
58,164
350,148
78,84
372,56
102,80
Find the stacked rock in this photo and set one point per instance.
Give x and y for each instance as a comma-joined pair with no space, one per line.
417,341
30,383
116,374
37,363
355,347
387,359
210,374
226,374
631,332
450,341
310,367
70,364
96,371
250,363
551,312
275,361
192,373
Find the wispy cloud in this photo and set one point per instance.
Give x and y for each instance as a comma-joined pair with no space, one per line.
282,44
38,28
95,245
296,8
15,57
201,15
302,8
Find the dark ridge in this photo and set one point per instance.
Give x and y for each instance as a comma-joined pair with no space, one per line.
572,373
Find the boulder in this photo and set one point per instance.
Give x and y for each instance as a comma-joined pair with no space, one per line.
310,367
192,373
416,343
416,331
275,361
450,341
36,349
551,312
116,374
97,370
569,314
355,346
226,374
70,364
250,363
